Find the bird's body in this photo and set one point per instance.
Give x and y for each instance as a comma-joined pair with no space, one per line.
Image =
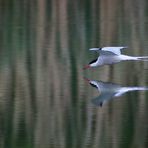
111,55
109,91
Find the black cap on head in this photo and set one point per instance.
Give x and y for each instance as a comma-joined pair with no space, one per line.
93,85
93,61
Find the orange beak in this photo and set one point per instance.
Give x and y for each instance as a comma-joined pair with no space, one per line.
86,67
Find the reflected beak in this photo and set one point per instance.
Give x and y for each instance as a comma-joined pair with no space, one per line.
86,79
86,67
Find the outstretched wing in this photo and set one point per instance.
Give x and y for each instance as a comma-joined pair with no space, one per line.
102,98
124,90
115,50
108,50
106,53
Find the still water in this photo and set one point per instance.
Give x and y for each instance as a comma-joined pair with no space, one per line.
45,101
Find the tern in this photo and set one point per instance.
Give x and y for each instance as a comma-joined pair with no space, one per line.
109,91
111,55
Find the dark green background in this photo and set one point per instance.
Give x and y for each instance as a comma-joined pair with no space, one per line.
44,100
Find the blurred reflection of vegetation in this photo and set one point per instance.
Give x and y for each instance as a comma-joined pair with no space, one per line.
43,47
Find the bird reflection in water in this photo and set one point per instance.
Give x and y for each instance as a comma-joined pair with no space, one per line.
109,91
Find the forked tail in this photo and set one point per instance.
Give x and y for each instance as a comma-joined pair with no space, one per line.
143,58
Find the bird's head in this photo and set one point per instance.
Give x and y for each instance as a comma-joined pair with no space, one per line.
91,64
91,82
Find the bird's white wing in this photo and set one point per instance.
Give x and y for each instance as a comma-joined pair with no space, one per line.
115,50
106,53
108,50
101,51
102,98
94,49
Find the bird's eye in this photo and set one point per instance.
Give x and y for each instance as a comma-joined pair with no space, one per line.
100,48
93,61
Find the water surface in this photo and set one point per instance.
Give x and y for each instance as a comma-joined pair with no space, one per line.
44,99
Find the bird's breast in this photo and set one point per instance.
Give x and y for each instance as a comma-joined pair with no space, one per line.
110,59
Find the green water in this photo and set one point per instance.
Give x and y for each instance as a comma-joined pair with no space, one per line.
44,99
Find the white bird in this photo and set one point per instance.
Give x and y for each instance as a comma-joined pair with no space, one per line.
111,55
109,91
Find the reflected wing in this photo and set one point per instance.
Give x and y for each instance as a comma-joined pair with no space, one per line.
129,89
115,50
107,85
103,97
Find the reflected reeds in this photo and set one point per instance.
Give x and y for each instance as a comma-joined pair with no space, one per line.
44,101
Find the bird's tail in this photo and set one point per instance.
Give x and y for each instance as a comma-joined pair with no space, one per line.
143,58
